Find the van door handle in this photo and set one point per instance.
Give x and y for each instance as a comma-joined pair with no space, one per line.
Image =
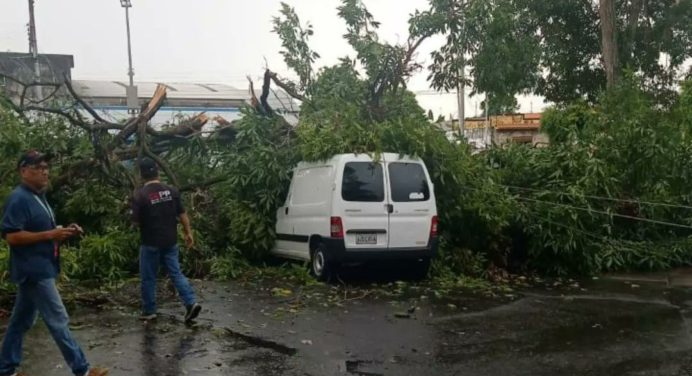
390,208
286,210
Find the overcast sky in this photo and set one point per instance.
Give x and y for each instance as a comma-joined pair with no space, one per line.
210,41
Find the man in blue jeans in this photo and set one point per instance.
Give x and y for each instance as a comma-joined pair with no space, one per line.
156,208
29,227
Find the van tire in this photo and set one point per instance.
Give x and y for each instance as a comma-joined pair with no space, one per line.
320,265
420,269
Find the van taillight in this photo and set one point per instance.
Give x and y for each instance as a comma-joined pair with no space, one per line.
337,228
433,227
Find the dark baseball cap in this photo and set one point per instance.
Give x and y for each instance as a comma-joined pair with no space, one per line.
147,167
32,158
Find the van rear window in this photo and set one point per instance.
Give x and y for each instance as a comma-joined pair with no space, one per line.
363,181
408,182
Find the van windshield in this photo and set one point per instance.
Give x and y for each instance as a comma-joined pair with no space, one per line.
408,182
363,181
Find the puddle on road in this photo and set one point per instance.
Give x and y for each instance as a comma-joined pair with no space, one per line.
161,348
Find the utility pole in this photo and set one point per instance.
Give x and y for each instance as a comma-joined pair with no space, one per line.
460,98
33,50
461,87
131,91
487,132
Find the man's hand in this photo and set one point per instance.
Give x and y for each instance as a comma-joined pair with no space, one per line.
62,234
77,228
187,229
23,238
189,240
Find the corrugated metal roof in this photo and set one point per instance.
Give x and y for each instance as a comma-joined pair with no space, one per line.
192,91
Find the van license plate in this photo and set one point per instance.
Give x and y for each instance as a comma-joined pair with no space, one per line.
366,239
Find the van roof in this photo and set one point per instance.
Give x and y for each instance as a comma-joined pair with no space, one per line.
346,157
385,156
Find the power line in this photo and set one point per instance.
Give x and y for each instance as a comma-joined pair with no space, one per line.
612,199
589,210
618,244
653,221
615,242
591,235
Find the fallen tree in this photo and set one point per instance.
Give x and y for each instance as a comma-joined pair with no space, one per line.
236,174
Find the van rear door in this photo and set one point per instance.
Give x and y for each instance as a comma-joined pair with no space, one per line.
412,204
364,204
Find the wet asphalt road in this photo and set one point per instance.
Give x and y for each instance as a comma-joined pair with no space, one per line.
602,328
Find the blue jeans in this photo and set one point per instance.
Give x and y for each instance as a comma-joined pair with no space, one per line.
149,259
34,297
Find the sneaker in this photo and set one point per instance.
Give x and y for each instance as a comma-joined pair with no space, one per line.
192,311
147,316
97,372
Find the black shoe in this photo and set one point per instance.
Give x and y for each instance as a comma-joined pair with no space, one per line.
192,311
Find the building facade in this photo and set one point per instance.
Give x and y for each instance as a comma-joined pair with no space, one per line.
21,66
498,130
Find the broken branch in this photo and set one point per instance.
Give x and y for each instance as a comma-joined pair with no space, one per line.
88,108
265,93
285,87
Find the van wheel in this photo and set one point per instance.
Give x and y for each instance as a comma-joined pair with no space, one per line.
419,269
321,267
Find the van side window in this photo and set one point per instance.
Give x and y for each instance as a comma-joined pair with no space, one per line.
363,182
408,182
312,186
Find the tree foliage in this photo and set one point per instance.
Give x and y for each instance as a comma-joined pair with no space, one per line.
591,201
295,42
553,48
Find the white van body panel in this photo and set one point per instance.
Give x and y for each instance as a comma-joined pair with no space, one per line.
384,205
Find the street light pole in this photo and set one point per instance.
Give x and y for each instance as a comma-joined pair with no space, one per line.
131,91
33,50
461,87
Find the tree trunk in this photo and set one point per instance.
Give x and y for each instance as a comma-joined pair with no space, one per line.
637,7
609,43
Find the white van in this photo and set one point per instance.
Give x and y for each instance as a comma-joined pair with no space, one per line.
353,208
